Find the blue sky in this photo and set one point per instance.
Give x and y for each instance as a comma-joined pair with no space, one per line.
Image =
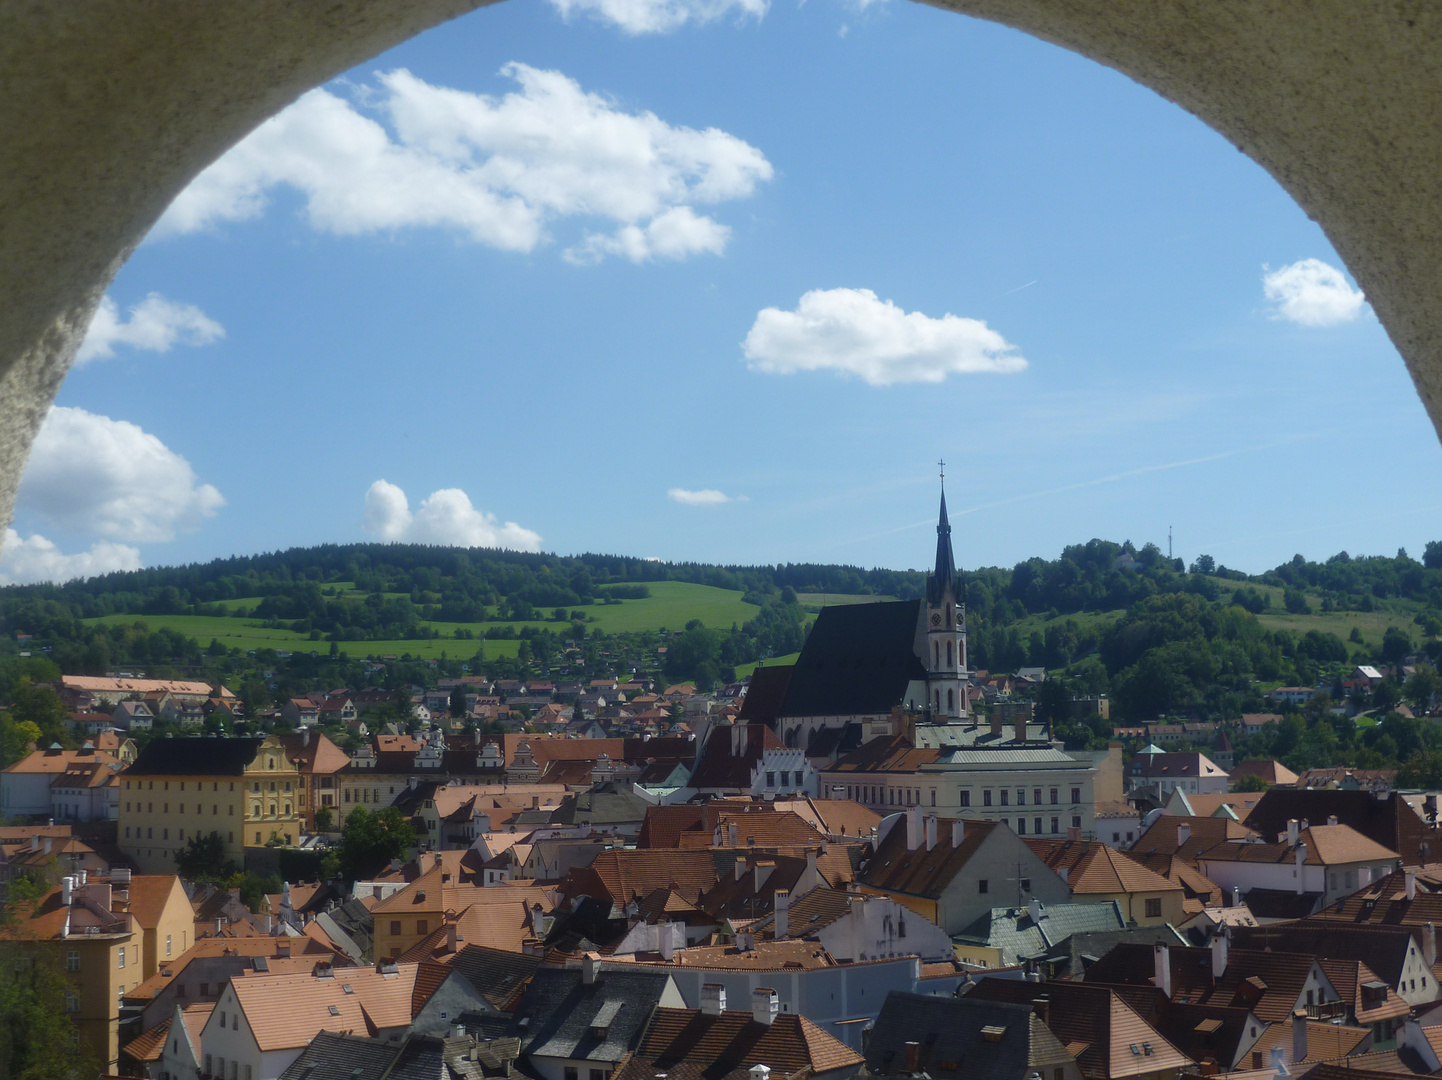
599,277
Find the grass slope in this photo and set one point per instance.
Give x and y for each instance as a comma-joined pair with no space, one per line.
671,605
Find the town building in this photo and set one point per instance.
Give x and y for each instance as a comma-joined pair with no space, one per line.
26,786
247,790
1192,773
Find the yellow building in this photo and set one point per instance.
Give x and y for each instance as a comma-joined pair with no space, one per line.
110,935
247,790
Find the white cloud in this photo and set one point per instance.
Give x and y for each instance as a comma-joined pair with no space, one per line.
660,16
155,324
1312,293
677,233
851,332
704,497
499,169
91,474
33,559
446,517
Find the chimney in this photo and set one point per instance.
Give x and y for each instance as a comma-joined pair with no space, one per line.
1219,952
764,1006
590,964
759,1072
911,1056
67,889
1301,857
1035,909
740,867
783,913
1411,884
958,833
1299,1036
282,947
1236,897
713,999
733,835
1279,1064
535,802
219,926
763,873
1429,944
930,831
664,931
1019,729
452,937
913,828
1184,832
1331,819
1162,967
305,737
1042,1007
738,740
996,724
1292,832
35,842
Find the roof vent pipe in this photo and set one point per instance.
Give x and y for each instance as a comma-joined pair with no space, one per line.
913,828
1219,952
1299,1036
1184,833
930,832
783,912
958,833
1410,879
1292,832
1301,857
67,888
1236,897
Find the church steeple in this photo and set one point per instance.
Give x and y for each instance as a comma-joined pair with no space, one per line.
944,575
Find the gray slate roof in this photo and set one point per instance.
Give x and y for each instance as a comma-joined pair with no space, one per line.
952,1043
554,1018
1020,937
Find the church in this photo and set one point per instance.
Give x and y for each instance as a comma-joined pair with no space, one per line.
861,662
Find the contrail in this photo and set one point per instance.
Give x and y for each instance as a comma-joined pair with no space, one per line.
1109,479
1114,477
1019,288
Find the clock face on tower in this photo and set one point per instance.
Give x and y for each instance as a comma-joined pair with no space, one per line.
936,620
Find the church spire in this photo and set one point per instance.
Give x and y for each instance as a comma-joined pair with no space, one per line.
944,575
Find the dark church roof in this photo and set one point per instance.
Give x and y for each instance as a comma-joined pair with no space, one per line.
195,757
765,695
857,661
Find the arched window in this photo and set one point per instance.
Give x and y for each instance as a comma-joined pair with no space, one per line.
938,700
936,654
950,700
948,654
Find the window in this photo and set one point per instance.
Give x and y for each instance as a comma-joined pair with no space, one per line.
966,798
235,1021
205,989
986,797
1005,797
1076,794
222,1018
571,1073
422,926
1076,823
1021,826
933,796
257,837
127,830
1026,884
165,834
120,954
248,1076
1036,826
598,1074
1154,910
72,1003
208,1063
1056,825
72,961
981,885
771,779
221,1062
167,944
395,926
1036,797
1054,794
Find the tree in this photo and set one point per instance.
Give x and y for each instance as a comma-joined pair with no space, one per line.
16,738
1053,703
41,706
1295,601
203,859
1205,564
1432,555
369,841
1250,782
38,1038
458,701
1421,688
1396,643
324,818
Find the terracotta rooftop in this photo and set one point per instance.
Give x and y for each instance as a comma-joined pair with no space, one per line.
287,1011
622,874
1094,868
58,761
735,1040
922,872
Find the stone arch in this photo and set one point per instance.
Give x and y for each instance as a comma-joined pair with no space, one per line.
115,105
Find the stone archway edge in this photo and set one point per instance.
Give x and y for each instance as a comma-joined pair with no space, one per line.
112,106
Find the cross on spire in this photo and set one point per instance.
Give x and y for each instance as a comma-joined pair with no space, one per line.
942,466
